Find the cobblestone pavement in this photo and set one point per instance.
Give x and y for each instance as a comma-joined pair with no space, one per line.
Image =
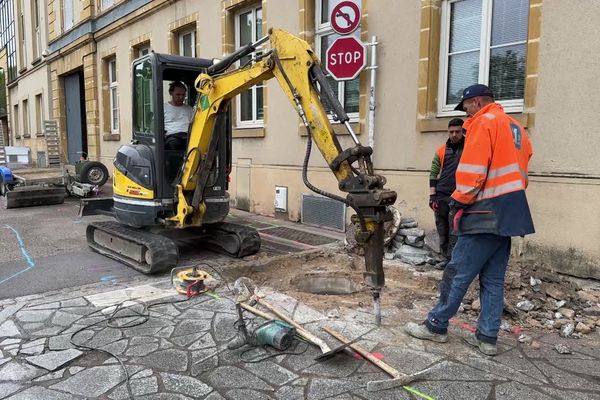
180,350
180,353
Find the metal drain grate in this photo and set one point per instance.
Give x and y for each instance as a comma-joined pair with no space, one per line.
322,211
298,236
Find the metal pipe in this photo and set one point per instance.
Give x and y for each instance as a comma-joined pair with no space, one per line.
373,69
351,132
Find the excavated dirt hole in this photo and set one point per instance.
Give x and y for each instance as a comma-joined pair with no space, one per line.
330,279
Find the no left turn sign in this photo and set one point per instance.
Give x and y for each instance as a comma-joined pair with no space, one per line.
345,17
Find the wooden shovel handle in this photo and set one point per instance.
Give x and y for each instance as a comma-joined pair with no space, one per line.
394,373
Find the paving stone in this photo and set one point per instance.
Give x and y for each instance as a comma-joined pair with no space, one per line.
335,367
186,340
390,394
83,311
567,380
165,344
185,385
8,342
4,360
570,394
282,301
165,332
583,367
12,347
139,387
232,377
54,359
498,369
64,319
32,351
164,396
204,360
13,352
272,373
516,391
142,350
78,302
60,342
46,306
245,394
105,336
192,327
166,360
324,388
34,343
9,310
290,393
51,376
141,340
17,371
202,343
33,326
75,370
214,396
51,331
455,390
40,393
92,382
516,361
33,315
165,310
221,306
304,314
223,329
143,373
117,347
197,314
6,389
9,329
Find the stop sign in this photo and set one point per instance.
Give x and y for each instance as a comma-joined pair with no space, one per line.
345,58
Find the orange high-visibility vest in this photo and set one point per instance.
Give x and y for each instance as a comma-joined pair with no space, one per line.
492,175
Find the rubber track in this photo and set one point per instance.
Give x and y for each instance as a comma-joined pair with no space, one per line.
223,235
163,251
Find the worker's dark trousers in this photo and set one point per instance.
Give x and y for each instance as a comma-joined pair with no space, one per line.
484,254
443,224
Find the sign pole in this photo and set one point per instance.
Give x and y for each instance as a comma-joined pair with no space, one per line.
373,72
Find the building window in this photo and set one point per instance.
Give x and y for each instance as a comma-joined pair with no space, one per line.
348,92
187,43
68,15
21,28
143,50
39,114
104,4
113,90
36,29
250,103
25,119
483,41
16,121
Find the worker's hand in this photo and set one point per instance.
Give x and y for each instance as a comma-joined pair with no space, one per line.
456,219
433,204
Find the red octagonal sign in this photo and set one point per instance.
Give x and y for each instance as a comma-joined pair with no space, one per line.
346,57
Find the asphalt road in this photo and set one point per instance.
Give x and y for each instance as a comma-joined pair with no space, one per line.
44,249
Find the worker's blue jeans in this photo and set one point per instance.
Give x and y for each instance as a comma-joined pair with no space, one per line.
483,254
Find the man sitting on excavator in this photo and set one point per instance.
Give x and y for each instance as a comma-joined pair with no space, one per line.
177,117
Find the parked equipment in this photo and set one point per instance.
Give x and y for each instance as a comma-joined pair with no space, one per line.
45,186
157,189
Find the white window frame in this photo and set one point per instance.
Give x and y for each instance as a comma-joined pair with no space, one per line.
180,36
143,50
68,14
447,110
324,29
25,115
113,87
255,122
39,113
37,29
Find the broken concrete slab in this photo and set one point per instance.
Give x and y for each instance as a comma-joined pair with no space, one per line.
9,329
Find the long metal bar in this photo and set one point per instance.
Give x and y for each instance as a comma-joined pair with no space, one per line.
372,105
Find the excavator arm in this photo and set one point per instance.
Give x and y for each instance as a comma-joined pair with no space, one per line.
292,62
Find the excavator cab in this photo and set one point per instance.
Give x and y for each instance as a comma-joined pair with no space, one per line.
146,171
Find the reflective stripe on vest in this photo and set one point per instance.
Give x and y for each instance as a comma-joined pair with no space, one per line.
501,189
472,168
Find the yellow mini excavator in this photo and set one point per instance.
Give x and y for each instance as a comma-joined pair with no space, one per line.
159,193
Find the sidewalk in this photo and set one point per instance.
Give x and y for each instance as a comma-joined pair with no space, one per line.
178,350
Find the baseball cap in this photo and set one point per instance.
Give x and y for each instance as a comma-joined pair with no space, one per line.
474,91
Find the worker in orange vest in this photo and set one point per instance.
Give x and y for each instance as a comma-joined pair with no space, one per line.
442,183
490,207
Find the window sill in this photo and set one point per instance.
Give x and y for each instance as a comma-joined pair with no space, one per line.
248,132
338,129
111,137
39,134
24,69
26,136
17,137
36,61
440,124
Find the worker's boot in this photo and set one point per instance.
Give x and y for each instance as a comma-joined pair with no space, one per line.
420,331
486,348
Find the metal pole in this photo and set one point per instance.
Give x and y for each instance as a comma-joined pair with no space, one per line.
372,67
